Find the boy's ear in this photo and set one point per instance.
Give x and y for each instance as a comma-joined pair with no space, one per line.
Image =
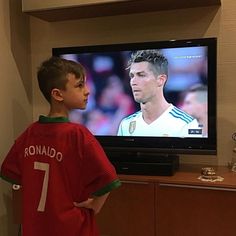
56,94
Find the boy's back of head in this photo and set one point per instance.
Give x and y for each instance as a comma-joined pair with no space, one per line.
53,72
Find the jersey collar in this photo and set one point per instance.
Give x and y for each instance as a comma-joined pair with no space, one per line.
46,119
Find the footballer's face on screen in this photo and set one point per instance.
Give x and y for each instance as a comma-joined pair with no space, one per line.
143,81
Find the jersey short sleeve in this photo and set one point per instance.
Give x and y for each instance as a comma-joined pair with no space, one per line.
10,169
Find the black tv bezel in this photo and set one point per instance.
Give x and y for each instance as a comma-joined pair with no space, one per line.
164,145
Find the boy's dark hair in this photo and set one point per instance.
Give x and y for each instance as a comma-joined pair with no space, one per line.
154,57
53,72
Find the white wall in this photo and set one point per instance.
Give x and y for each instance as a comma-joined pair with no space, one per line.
15,93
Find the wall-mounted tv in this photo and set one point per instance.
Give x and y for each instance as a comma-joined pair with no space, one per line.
149,100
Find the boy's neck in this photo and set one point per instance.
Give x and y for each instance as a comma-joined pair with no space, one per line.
57,113
57,109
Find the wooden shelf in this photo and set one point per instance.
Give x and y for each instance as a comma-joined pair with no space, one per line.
116,8
188,175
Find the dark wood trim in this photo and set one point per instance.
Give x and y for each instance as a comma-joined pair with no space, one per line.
118,8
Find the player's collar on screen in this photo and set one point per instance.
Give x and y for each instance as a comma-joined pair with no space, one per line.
46,119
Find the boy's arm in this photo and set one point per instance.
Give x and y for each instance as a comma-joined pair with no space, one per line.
94,203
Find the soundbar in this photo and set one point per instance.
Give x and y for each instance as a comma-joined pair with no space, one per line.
158,166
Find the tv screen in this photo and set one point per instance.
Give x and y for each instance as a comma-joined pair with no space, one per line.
150,97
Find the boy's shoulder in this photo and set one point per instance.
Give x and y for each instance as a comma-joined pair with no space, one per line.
63,127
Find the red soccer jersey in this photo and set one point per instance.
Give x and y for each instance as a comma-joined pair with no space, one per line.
57,163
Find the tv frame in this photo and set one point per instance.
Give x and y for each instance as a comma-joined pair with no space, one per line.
116,146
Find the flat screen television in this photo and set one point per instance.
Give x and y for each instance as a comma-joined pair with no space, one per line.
191,67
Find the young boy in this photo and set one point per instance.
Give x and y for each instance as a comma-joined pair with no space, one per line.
63,171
